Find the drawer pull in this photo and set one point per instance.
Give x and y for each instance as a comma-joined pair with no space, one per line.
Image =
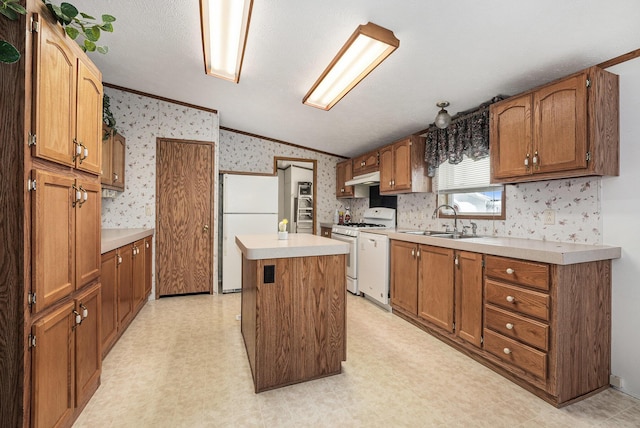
506,351
509,326
510,271
511,299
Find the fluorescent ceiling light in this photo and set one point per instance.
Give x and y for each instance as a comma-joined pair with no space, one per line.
225,24
365,49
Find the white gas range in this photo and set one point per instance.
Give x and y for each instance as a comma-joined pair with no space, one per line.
374,218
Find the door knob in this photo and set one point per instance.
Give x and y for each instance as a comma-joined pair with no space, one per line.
205,228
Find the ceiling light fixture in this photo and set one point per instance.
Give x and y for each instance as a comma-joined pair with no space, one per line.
443,118
225,24
367,47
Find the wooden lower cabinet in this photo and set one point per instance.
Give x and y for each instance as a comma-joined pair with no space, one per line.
293,318
404,276
325,232
435,286
126,283
66,359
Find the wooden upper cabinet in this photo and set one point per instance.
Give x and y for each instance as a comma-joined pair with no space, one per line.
89,117
53,247
67,101
365,163
403,168
53,368
105,170
344,172
88,229
113,157
54,94
568,128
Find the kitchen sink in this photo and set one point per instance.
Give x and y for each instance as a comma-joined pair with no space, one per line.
439,234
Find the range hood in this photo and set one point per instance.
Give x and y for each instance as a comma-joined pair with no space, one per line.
365,179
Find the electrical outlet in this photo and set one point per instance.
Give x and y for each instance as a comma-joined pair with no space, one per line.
549,217
615,381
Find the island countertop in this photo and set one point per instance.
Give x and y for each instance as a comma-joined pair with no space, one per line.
258,247
116,238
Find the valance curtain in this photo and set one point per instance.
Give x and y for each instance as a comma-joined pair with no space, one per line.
467,135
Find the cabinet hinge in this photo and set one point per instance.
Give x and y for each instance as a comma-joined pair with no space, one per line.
32,140
31,184
481,339
483,263
588,83
35,27
454,326
31,299
32,341
588,156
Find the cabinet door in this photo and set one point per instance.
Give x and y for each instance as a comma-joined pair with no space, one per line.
435,286
53,249
117,163
511,137
344,172
468,286
138,274
386,169
148,265
53,368
404,276
109,311
88,227
89,118
560,125
402,165
125,285
88,347
54,93
366,163
107,145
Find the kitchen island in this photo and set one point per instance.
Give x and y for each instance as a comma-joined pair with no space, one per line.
293,307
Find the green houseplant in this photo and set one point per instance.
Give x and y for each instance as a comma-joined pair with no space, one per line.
82,28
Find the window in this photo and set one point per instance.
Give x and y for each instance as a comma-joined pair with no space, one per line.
466,186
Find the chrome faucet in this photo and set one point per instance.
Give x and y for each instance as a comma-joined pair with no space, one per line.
455,215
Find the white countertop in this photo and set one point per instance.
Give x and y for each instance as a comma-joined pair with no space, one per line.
258,247
116,238
559,253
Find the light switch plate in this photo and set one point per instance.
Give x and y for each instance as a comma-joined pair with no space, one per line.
549,217
148,211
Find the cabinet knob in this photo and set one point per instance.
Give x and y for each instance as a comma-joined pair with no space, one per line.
85,311
509,326
511,299
115,176
510,271
146,244
413,253
506,351
78,317
205,228
119,259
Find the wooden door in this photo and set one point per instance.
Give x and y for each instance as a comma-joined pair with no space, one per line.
560,125
117,163
88,349
435,286
402,165
404,276
107,146
125,285
148,265
185,217
53,368
89,118
53,246
468,288
138,274
55,94
87,233
511,137
386,169
109,311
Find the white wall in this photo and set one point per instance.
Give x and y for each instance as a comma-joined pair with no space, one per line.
620,213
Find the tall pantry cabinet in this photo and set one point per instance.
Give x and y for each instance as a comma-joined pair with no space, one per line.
50,161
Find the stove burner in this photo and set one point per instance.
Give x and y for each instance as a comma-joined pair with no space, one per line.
363,225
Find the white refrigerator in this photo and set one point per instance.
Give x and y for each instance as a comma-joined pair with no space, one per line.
249,206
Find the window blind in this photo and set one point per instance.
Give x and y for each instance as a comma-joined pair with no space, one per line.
465,176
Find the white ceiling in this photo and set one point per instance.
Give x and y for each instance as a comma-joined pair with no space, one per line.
464,51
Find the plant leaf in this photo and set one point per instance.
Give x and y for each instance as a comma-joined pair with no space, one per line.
17,7
92,33
72,32
9,13
108,18
85,16
107,27
89,45
8,53
103,49
69,10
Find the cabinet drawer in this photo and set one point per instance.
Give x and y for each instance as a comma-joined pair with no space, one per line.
531,274
531,332
517,299
528,359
